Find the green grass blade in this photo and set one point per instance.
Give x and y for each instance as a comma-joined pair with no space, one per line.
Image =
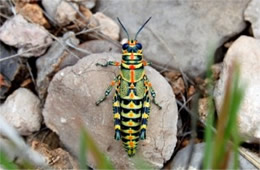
83,151
5,163
89,145
208,138
210,119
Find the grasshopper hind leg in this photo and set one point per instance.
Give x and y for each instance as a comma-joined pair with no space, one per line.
145,116
117,115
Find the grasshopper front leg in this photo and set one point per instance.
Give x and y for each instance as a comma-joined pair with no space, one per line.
109,63
109,89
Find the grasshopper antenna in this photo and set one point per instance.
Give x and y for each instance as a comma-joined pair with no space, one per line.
123,27
142,27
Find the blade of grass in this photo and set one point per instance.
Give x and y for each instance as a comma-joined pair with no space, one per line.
5,163
210,120
227,122
208,138
82,151
140,163
89,144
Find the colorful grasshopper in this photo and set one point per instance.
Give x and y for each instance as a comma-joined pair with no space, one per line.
131,102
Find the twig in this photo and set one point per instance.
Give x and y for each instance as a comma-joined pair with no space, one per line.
80,14
18,54
30,71
77,48
61,43
88,30
185,102
194,121
10,3
249,158
19,145
50,18
4,16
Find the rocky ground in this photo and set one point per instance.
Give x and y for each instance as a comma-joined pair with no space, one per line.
49,82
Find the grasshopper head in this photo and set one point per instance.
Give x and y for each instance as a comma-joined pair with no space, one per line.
132,46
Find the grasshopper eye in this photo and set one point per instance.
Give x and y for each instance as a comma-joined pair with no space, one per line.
125,46
139,46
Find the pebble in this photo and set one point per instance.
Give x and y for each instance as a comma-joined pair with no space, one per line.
107,26
246,52
33,13
22,110
23,35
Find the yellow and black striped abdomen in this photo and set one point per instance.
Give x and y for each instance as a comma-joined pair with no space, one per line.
131,106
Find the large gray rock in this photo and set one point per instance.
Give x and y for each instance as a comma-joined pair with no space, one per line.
22,110
189,29
181,159
252,14
23,35
71,99
246,51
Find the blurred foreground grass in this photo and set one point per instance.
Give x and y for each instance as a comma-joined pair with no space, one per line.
224,143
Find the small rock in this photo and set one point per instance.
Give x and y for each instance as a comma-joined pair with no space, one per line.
108,26
21,34
177,83
216,69
191,91
83,22
181,159
202,85
50,63
203,109
88,3
57,158
172,75
33,13
66,12
51,7
22,110
252,14
246,51
76,89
